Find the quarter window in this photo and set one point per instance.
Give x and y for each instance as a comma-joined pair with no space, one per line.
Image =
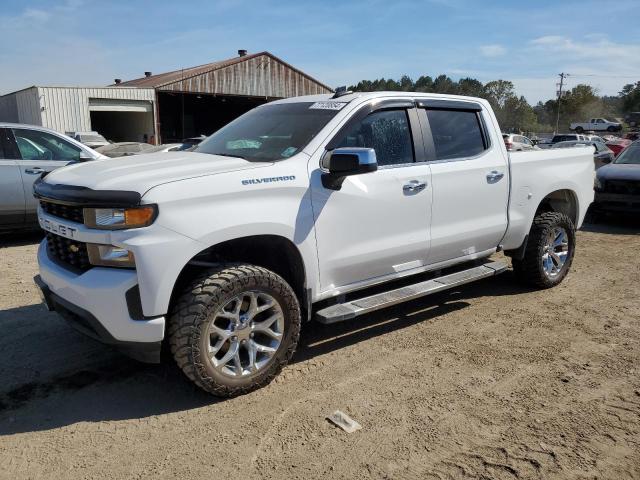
37,145
387,132
456,133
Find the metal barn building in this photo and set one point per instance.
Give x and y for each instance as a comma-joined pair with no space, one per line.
168,106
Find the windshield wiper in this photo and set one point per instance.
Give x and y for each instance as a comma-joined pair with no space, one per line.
228,155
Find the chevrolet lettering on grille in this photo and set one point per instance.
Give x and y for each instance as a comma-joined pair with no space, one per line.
57,228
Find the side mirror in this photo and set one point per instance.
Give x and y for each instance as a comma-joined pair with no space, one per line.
343,162
84,156
606,159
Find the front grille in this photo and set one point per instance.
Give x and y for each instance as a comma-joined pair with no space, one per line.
623,187
68,252
68,212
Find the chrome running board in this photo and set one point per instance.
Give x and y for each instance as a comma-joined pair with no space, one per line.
346,311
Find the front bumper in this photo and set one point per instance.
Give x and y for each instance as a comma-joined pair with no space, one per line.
616,203
103,303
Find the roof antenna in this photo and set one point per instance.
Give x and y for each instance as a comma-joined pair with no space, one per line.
341,91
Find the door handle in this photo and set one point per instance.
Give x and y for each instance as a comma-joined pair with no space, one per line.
494,176
34,170
414,186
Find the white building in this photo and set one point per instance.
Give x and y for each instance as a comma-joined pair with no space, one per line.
120,114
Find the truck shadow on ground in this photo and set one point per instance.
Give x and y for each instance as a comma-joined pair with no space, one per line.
614,225
20,239
112,387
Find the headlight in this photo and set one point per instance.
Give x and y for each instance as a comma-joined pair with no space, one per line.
120,218
110,256
597,184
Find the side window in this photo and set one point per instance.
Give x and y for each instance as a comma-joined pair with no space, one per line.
37,145
387,132
456,133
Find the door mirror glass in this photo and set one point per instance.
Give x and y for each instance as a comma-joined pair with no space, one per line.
343,162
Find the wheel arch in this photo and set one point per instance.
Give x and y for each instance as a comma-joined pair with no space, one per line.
273,252
563,201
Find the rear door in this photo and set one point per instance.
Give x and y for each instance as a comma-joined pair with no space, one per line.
11,192
469,177
40,152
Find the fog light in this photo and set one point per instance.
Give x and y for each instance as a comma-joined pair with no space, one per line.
110,256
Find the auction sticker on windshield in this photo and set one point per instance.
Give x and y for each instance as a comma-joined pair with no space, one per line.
327,105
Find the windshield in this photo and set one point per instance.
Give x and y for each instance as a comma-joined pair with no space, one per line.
268,133
630,155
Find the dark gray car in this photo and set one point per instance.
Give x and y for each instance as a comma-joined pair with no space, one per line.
618,184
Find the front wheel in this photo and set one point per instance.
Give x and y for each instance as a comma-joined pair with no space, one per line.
549,251
579,129
611,129
234,328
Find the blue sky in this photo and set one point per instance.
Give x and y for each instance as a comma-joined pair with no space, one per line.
76,42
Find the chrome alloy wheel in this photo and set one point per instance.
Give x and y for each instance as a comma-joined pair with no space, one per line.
243,336
555,252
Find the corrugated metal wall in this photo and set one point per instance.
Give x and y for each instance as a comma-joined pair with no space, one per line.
66,109
21,107
262,76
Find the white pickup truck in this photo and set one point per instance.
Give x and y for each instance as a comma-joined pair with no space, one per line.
292,212
596,125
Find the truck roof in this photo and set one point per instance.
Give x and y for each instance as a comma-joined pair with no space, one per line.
373,95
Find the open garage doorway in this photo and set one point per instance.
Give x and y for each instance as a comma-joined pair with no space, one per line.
122,121
184,115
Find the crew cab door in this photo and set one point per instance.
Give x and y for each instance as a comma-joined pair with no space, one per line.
40,152
377,224
11,192
469,178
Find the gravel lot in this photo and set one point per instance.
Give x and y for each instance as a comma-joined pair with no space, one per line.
490,381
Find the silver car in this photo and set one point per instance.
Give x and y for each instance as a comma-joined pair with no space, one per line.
26,152
517,143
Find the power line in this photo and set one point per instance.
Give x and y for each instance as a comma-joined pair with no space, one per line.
604,76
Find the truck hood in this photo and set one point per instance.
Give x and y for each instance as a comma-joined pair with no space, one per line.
139,173
619,171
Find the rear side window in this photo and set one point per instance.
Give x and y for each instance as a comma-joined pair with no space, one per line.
387,132
456,133
39,145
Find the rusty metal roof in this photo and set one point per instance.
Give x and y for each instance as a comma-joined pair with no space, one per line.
164,79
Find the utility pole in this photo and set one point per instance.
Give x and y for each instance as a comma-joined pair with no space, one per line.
562,77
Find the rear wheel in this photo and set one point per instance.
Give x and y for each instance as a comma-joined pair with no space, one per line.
579,129
234,328
549,252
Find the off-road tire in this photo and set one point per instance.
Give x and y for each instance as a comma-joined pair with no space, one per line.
201,298
529,270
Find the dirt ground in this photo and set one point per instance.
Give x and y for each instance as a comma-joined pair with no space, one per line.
490,381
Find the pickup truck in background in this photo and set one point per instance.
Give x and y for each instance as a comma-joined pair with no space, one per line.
317,208
597,125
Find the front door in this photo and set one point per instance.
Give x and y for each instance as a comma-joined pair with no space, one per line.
40,152
11,192
470,179
377,224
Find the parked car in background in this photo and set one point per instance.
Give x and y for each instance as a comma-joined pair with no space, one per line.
618,145
563,137
124,149
26,152
167,147
90,139
517,143
601,156
596,125
633,119
633,136
617,185
595,138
